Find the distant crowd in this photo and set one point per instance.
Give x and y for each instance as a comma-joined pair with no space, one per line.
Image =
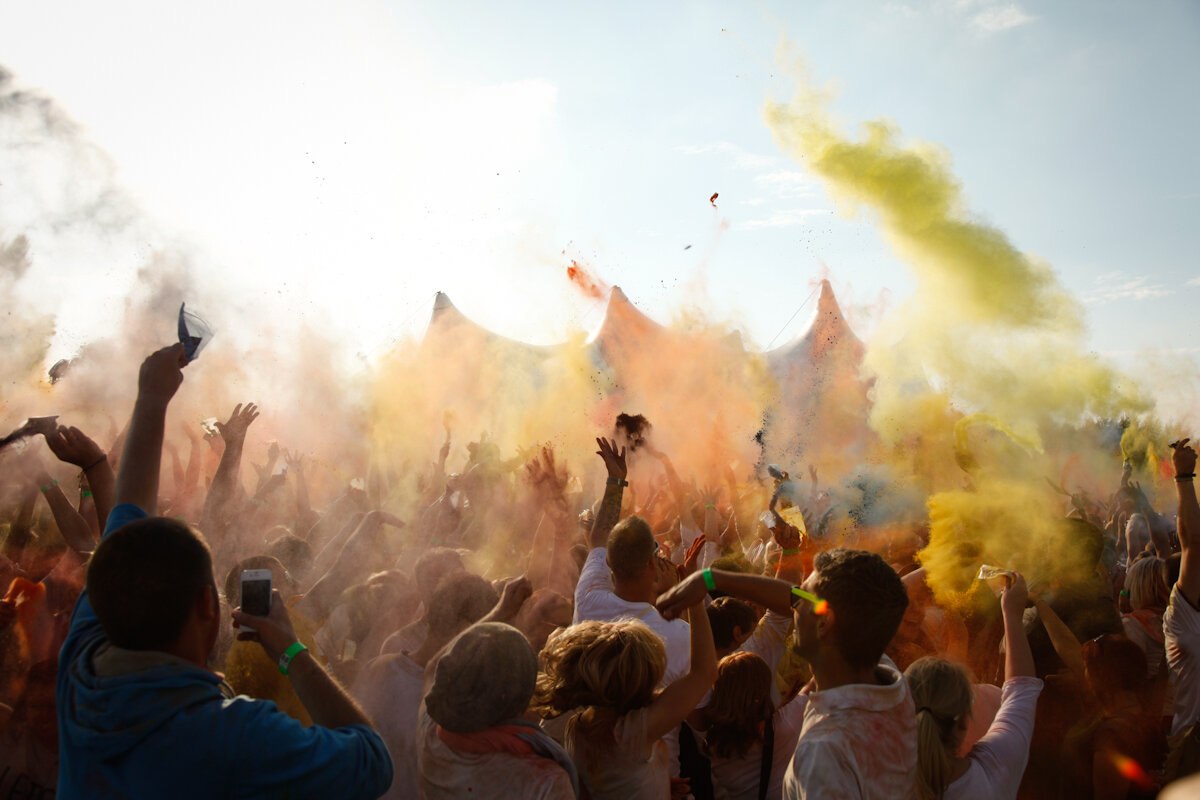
175,626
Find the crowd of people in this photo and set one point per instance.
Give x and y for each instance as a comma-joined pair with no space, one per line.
505,636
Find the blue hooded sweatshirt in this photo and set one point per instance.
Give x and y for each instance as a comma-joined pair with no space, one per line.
170,731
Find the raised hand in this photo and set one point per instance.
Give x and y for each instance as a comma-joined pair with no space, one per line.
514,594
614,459
692,558
294,460
72,446
161,374
239,422
1015,595
786,535
274,631
1183,456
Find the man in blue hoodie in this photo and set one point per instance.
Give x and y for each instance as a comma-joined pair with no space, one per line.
140,715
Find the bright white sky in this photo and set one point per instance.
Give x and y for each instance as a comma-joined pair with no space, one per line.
346,160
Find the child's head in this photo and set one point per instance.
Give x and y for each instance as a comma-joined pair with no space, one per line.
612,665
740,704
732,623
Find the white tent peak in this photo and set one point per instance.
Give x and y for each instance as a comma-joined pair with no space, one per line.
828,328
623,318
446,314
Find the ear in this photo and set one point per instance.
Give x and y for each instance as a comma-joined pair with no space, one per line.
208,606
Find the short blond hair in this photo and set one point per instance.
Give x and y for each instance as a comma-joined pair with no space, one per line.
604,665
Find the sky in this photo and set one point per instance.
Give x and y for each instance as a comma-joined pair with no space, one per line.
343,162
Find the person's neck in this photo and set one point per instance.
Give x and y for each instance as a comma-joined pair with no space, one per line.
634,593
832,671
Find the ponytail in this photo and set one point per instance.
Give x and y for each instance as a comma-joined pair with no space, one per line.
933,762
942,693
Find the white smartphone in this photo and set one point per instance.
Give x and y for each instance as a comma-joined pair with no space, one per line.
256,593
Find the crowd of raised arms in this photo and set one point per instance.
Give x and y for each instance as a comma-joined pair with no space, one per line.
504,636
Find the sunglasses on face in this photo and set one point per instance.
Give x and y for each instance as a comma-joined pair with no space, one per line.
819,606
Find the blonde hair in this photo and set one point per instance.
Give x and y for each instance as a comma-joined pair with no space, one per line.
741,703
943,696
615,666
1146,580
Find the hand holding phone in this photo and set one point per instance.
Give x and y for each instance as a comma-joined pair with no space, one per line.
256,594
272,630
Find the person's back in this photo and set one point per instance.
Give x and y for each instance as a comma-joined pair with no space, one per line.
858,740
740,777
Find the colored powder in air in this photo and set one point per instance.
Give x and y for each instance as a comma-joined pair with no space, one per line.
990,338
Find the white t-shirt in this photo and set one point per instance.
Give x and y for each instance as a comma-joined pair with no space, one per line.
998,759
858,741
1181,630
390,689
737,778
595,600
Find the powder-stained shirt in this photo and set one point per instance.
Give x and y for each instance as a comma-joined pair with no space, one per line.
998,759
858,741
1181,628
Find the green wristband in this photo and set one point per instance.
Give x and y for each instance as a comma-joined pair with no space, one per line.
795,551
708,580
85,493
49,486
285,660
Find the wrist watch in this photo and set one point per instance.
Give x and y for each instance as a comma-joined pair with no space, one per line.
615,481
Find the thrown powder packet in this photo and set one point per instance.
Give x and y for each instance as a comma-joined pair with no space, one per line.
995,577
194,333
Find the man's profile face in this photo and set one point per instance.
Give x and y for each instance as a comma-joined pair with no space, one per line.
805,617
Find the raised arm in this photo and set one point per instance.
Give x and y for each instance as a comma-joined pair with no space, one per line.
20,532
328,704
1187,522
72,446
158,380
225,482
1018,657
769,593
614,490
1066,645
679,699
71,524
295,465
